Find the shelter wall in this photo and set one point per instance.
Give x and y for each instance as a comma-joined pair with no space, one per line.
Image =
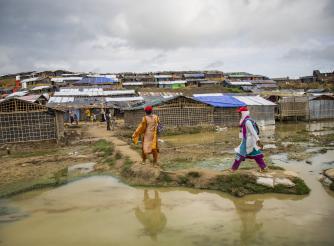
178,112
27,126
226,117
263,114
293,106
321,109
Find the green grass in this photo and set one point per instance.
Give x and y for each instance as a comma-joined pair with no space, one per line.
126,169
105,147
301,187
242,184
110,161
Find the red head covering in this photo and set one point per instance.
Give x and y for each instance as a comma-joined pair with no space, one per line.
241,109
148,108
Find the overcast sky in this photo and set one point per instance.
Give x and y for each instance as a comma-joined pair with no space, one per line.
269,37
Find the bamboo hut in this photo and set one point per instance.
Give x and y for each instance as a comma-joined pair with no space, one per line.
23,121
172,111
225,108
295,107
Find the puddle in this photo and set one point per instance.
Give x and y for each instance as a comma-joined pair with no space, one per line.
102,211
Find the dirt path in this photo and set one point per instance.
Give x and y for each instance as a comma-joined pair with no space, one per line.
99,131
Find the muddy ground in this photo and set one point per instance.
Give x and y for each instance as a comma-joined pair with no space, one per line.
179,149
186,148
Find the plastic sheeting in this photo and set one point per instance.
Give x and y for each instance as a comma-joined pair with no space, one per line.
220,101
96,80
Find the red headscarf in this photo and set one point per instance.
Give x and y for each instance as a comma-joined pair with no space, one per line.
241,109
148,108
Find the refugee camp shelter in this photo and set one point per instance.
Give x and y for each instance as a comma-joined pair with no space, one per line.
261,110
172,84
93,81
39,99
23,121
293,107
172,111
225,108
321,107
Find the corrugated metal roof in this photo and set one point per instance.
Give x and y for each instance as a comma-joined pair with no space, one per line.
30,80
119,92
221,101
62,80
132,83
254,100
238,83
18,94
163,76
152,101
31,98
172,82
40,87
61,99
91,92
158,94
123,99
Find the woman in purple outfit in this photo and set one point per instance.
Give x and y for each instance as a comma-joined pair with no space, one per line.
250,146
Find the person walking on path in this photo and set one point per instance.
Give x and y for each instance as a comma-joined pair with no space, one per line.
108,119
250,146
148,129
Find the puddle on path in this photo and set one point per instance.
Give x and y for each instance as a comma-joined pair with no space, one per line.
102,211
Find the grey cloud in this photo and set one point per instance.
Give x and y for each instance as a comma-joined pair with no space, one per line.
324,53
118,35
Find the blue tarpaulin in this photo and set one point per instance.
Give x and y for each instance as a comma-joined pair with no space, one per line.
220,101
96,80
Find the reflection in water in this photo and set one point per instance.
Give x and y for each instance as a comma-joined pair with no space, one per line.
151,217
247,208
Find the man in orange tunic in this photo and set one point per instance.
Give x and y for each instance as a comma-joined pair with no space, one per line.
148,129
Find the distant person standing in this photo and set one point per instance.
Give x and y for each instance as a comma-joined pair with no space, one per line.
103,115
71,113
88,114
148,129
75,117
250,146
108,119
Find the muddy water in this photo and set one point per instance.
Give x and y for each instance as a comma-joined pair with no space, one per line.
102,211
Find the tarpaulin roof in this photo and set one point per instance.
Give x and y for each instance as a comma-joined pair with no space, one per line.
220,101
96,80
254,101
194,75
